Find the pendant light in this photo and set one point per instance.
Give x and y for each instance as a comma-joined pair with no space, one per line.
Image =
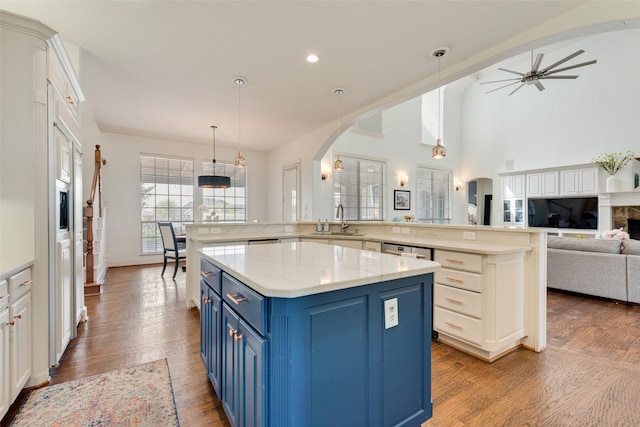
439,151
337,165
240,161
214,181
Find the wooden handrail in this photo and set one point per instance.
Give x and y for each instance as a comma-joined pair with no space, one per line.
88,211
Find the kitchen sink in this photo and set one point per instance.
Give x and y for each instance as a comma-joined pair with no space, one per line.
337,233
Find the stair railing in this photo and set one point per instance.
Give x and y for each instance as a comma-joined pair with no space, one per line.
88,212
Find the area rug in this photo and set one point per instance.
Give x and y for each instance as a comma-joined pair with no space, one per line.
139,396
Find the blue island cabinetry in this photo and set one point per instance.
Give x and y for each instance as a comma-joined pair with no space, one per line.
325,359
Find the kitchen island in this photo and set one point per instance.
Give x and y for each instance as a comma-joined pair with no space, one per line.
303,333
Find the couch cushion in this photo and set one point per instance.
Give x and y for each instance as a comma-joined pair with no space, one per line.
631,247
610,246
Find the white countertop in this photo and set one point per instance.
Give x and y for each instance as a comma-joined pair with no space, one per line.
290,270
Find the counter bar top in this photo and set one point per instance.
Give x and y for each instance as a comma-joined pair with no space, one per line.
295,269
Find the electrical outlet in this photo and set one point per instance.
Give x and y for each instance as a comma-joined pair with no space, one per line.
288,228
396,230
405,230
215,230
469,235
390,313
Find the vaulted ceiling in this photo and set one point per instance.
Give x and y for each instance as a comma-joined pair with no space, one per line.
165,69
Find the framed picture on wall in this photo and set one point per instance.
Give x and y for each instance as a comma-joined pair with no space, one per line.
401,200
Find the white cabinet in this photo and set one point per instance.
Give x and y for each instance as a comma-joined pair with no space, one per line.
542,184
372,246
582,181
479,301
5,400
19,323
355,244
513,186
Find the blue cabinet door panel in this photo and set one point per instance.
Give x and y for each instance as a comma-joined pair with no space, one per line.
205,316
252,352
404,368
214,373
230,364
338,362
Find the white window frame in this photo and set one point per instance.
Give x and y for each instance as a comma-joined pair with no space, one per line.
234,198
179,180
433,210
354,202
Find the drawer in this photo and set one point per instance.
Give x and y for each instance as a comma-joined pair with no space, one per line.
459,279
20,284
249,304
459,260
458,300
4,294
210,274
457,325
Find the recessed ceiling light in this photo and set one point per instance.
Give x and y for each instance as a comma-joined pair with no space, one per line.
312,58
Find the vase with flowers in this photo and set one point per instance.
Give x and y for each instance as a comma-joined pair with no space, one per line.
612,163
616,233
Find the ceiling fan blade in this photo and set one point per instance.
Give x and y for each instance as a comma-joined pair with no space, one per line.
510,71
498,81
539,85
501,87
559,77
536,65
514,91
571,67
563,60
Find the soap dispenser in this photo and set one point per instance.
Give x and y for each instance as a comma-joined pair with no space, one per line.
326,226
319,226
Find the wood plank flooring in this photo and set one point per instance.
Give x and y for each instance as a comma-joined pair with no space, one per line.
588,376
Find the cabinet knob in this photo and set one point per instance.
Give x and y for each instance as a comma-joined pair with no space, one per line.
237,337
232,332
11,323
70,100
18,316
206,300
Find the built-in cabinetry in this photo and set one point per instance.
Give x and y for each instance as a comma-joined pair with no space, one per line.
578,182
513,197
345,243
40,175
15,336
479,301
543,184
279,361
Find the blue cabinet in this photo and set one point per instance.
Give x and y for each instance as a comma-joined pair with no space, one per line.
210,323
244,387
327,359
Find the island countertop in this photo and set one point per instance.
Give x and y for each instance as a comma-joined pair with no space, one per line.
295,269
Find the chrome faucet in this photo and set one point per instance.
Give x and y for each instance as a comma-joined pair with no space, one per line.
340,215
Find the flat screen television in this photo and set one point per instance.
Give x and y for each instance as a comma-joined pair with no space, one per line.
566,212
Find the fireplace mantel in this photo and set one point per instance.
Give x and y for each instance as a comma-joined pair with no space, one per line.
608,200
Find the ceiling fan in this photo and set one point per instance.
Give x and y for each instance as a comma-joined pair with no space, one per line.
534,76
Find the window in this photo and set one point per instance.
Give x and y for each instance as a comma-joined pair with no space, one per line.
225,204
434,195
358,187
166,194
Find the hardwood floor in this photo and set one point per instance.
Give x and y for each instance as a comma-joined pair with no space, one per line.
588,376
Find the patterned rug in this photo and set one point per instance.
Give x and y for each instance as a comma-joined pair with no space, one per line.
138,396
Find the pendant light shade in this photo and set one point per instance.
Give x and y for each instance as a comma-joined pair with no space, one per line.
337,165
214,181
439,151
240,161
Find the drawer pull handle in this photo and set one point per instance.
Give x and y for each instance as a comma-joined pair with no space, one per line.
206,300
454,326
455,261
232,332
237,298
11,323
237,337
18,316
454,301
451,279
206,274
26,282
69,99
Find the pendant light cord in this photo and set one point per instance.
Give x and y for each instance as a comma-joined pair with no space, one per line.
439,101
214,148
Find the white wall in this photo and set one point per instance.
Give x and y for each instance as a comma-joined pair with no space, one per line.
570,122
121,188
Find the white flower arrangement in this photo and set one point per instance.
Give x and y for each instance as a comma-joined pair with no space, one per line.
616,233
613,162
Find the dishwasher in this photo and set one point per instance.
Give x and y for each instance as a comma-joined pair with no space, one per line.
411,251
414,252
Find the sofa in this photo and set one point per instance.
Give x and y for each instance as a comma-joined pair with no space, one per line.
607,268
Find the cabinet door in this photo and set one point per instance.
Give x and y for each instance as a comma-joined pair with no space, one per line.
550,184
64,287
230,380
214,373
355,244
570,182
534,185
4,362
21,350
205,324
251,379
589,180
